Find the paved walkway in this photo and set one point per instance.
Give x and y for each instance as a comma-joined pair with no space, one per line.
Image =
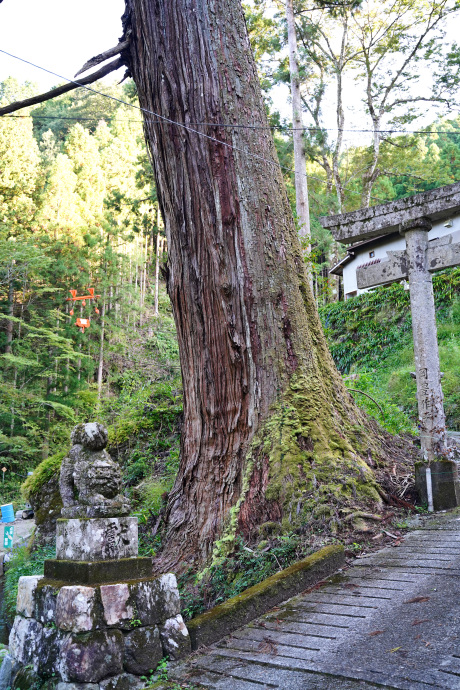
391,620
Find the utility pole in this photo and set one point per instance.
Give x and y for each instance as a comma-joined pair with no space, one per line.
9,324
300,162
100,368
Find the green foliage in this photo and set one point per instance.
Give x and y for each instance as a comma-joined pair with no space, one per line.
391,416
57,115
371,336
153,492
42,474
22,563
78,208
244,568
363,330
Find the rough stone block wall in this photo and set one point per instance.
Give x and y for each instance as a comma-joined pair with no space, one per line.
101,637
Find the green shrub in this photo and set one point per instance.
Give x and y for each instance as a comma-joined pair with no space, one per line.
42,474
389,415
153,491
373,325
22,563
244,568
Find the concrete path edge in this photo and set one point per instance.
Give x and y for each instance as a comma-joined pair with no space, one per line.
222,620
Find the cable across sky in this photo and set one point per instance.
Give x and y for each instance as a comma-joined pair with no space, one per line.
162,118
281,128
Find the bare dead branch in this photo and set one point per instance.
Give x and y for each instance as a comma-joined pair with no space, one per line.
49,95
356,390
102,57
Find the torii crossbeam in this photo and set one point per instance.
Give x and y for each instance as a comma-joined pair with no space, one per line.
414,217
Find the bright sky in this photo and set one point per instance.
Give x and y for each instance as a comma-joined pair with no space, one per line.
56,34
61,36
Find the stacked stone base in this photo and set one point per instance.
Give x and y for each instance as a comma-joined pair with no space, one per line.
93,637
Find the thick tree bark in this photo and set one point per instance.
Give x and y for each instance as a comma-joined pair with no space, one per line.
266,417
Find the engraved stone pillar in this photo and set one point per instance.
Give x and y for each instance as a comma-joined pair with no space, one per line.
429,391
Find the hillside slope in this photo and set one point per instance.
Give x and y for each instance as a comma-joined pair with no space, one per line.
370,337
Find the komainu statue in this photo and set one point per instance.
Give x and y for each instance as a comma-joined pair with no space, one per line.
91,481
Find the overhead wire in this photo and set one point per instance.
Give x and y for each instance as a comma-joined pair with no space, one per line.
162,118
281,128
105,118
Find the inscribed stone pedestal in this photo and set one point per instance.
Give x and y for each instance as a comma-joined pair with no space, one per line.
97,539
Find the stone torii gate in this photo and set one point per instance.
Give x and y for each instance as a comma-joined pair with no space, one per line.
414,217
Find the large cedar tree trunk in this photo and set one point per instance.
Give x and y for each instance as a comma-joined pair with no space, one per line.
267,421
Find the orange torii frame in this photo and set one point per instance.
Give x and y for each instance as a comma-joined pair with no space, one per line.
82,323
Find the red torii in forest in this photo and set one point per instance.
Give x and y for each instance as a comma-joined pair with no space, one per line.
82,323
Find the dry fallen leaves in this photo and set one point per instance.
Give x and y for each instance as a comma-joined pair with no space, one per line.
417,600
268,646
423,620
376,632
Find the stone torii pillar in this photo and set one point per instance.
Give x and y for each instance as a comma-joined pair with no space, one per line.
414,217
426,352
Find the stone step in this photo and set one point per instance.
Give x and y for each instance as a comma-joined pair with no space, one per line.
365,592
353,600
278,670
269,644
307,642
309,629
335,610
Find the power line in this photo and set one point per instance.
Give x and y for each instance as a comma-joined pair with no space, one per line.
162,118
289,129
281,128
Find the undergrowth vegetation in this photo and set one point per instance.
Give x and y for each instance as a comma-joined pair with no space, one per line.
244,568
371,341
370,337
22,563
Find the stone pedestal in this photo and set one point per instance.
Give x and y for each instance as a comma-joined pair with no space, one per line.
96,539
103,636
97,619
